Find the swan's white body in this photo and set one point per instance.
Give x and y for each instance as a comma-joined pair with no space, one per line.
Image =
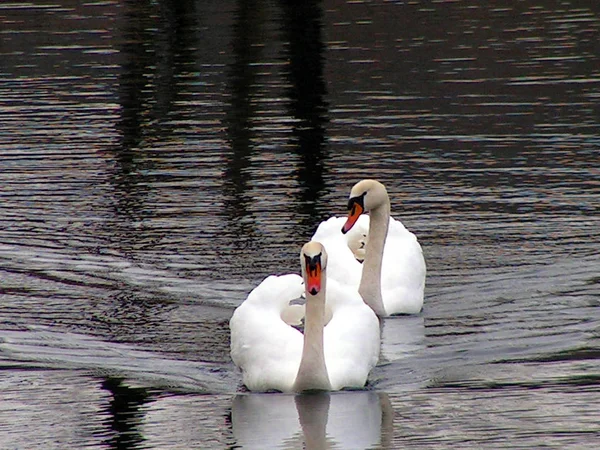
269,351
403,268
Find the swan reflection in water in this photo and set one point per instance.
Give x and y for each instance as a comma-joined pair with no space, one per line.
347,419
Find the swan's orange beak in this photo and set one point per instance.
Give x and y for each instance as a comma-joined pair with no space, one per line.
356,209
313,275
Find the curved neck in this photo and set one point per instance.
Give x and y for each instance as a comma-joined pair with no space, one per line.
370,282
312,374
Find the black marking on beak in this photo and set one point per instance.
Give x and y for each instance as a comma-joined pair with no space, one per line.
356,207
313,264
359,199
313,269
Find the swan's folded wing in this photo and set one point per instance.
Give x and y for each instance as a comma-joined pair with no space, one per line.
328,228
352,339
266,348
294,315
403,271
277,291
341,263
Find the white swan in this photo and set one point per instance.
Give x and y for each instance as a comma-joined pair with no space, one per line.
275,356
392,277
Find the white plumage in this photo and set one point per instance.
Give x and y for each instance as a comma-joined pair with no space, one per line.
403,268
269,351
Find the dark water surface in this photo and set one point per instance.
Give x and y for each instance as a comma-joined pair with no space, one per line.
160,158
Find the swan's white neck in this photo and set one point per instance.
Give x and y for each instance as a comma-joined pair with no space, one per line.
312,374
370,282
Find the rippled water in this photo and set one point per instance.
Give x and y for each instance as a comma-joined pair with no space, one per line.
160,158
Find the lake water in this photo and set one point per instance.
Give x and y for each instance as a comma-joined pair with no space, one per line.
160,158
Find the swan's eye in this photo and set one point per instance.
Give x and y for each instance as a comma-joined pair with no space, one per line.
352,205
354,201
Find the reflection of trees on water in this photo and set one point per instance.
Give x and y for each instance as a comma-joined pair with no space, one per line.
246,48
302,23
157,48
159,51
125,414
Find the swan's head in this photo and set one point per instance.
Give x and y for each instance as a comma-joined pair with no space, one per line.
313,259
357,243
364,196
